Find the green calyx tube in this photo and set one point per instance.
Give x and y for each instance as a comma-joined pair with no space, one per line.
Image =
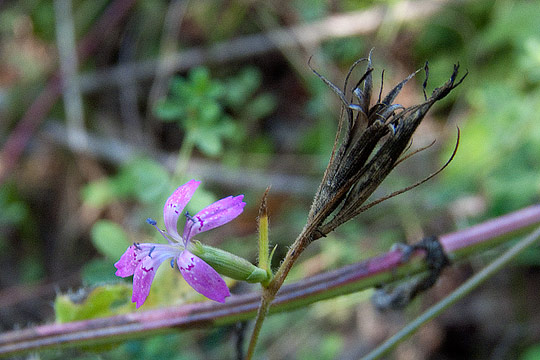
229,264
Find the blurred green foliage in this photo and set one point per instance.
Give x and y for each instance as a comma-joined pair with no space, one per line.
105,300
141,179
18,222
109,238
532,353
14,211
204,108
499,152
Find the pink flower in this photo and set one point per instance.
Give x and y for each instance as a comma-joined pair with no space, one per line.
142,260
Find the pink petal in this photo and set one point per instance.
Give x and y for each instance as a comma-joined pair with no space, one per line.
128,262
143,277
175,204
202,277
214,215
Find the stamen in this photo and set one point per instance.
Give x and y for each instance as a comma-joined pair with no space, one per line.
163,233
172,263
189,217
151,250
137,246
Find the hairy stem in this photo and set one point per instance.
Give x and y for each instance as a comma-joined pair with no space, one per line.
269,293
382,269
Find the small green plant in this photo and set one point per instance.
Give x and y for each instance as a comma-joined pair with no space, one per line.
204,108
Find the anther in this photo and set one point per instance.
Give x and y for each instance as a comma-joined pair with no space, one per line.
137,246
189,217
151,221
151,250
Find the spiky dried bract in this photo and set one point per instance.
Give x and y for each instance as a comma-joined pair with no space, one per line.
367,148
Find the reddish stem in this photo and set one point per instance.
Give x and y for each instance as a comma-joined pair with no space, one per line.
345,280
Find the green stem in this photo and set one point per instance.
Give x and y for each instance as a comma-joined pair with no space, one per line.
267,299
451,299
269,293
184,154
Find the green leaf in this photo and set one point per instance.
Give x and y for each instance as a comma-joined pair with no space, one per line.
109,239
200,79
209,143
99,271
531,353
13,210
169,110
240,89
179,87
512,24
260,107
98,193
101,301
202,199
210,113
148,179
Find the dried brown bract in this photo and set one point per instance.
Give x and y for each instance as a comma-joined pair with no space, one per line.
369,143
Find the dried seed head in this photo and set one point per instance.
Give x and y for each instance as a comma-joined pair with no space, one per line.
368,146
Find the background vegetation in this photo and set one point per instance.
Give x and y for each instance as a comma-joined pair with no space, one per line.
185,89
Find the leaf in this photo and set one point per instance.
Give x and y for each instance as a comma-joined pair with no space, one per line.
531,353
101,301
99,271
13,211
168,110
210,113
228,129
98,193
200,79
147,178
109,239
209,143
179,87
260,107
202,198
